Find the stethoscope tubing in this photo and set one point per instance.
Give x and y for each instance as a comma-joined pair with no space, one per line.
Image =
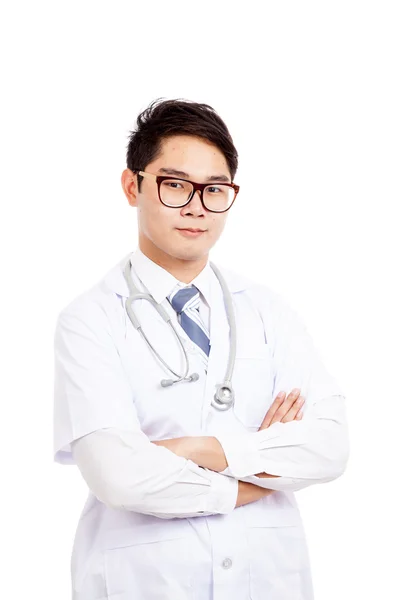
224,395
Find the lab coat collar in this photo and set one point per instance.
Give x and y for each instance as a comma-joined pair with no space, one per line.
164,284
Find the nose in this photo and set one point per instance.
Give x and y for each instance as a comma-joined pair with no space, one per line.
195,205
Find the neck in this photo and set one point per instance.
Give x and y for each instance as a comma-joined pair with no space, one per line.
184,270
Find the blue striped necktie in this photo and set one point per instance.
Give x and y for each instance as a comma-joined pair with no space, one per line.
186,302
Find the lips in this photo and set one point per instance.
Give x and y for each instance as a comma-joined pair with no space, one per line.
191,232
190,229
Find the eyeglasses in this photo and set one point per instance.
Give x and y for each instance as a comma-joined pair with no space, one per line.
175,192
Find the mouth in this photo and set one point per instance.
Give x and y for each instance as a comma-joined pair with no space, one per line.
190,229
191,232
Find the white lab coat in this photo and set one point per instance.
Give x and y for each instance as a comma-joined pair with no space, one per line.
139,545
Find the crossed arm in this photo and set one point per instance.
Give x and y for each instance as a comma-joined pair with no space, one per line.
207,451
183,477
287,453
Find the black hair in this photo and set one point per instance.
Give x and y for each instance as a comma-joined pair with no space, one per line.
165,118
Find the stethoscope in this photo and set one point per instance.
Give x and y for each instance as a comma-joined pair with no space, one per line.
224,396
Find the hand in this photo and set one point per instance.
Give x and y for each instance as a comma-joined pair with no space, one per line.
284,409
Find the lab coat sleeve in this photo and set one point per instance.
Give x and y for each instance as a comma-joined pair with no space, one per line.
125,471
91,394
301,453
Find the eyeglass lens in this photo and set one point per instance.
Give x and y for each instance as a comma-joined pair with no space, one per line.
216,196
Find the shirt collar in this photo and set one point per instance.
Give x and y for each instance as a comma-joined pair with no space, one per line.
161,282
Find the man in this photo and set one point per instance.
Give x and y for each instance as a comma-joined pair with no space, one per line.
188,500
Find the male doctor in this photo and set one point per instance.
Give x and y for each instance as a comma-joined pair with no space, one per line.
187,501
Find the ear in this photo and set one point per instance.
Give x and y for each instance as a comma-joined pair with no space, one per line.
129,185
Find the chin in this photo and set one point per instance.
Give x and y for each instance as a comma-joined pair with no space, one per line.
189,253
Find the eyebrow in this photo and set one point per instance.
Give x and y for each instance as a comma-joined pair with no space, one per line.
177,173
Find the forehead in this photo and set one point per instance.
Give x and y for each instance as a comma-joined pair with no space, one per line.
192,154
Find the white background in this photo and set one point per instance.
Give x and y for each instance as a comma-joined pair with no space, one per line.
310,93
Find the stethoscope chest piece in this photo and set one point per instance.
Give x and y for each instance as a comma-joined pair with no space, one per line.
224,396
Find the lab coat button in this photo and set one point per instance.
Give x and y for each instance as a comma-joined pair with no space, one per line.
227,563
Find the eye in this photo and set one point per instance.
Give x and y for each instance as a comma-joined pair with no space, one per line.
172,184
214,189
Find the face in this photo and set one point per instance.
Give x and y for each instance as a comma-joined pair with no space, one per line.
159,226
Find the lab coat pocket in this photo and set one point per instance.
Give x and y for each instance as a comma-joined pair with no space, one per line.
153,562
252,382
278,555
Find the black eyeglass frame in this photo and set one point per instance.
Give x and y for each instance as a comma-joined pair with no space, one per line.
196,186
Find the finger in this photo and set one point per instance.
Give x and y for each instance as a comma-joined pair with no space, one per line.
279,408
299,416
272,409
294,410
285,406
